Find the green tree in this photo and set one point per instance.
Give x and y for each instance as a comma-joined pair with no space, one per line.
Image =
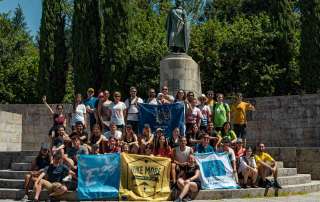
18,62
52,65
117,53
310,45
19,19
87,45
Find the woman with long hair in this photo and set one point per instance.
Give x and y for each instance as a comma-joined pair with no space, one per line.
146,138
131,139
174,139
97,138
181,96
162,148
78,112
58,115
227,132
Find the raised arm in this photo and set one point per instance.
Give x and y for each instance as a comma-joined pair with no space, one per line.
44,99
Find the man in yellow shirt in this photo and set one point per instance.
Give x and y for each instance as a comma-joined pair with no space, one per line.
266,166
210,96
238,116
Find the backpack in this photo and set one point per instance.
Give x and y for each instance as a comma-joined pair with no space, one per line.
215,105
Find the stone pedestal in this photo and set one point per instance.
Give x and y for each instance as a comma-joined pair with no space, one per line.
180,71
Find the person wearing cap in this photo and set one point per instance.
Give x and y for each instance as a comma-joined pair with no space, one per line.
204,146
42,160
161,100
132,109
145,139
205,111
118,111
78,112
238,115
210,100
54,173
71,157
131,139
240,150
91,104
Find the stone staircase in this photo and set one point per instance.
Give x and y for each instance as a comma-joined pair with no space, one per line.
12,182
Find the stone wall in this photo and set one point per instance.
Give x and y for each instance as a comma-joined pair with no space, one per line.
36,122
305,159
10,131
286,121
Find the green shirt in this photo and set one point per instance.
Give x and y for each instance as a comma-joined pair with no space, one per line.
220,114
231,135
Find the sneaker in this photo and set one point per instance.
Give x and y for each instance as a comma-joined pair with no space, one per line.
277,185
244,186
178,200
254,186
67,179
268,184
25,198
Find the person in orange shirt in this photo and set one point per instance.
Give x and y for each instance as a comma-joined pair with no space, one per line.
238,115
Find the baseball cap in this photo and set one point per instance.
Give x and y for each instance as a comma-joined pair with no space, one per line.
90,90
44,146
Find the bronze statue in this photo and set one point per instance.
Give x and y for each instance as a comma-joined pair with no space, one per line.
178,30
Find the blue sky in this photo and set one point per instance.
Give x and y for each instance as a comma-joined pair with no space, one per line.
32,11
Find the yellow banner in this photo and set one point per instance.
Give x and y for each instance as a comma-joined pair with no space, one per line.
144,177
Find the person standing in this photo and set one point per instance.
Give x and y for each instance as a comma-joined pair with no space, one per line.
104,111
118,111
78,112
152,99
91,104
238,115
210,96
220,113
132,110
166,96
205,111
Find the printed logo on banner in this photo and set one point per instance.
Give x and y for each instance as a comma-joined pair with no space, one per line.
213,168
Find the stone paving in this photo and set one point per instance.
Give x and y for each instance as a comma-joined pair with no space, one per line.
311,197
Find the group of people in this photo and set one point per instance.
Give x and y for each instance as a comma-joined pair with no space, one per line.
211,126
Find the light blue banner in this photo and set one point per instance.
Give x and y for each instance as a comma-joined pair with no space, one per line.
216,171
165,116
98,176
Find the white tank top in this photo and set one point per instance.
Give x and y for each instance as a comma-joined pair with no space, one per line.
182,156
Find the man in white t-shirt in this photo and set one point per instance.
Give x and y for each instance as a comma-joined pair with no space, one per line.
114,133
118,111
79,114
152,99
133,109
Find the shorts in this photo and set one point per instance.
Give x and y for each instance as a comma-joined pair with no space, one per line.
51,186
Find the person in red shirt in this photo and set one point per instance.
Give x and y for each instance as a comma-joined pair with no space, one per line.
163,149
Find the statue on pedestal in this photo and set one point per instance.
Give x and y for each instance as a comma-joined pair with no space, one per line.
178,30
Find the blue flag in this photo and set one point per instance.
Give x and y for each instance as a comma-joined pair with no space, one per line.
216,171
98,176
166,116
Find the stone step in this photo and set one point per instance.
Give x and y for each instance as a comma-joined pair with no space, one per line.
21,166
287,171
13,174
280,164
15,194
296,179
313,186
28,159
12,183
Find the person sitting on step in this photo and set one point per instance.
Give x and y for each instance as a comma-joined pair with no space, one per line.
266,166
55,173
40,162
248,168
